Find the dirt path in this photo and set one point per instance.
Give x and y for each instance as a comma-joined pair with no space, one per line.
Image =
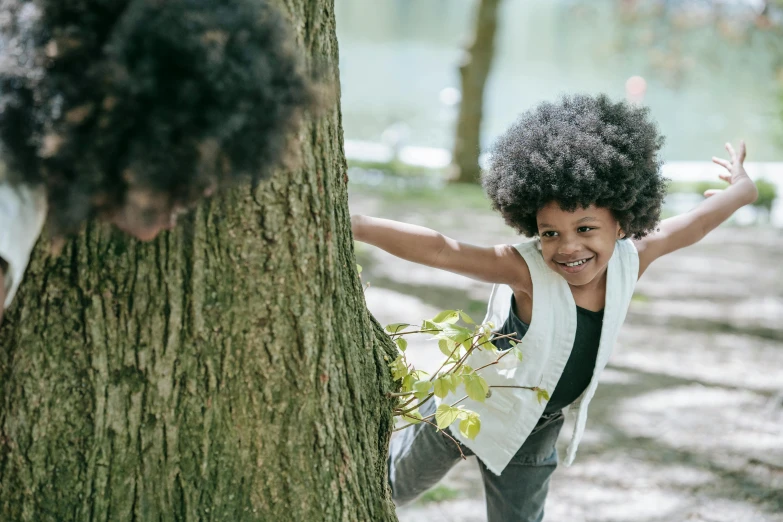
688,423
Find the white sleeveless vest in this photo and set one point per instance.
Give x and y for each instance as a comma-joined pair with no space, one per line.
22,215
509,415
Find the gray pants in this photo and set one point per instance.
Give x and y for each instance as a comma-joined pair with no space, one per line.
420,456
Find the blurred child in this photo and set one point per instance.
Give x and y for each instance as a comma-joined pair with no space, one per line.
132,111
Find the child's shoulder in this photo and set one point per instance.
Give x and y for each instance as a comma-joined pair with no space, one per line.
528,246
21,199
22,208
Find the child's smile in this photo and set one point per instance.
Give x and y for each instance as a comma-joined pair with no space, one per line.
573,267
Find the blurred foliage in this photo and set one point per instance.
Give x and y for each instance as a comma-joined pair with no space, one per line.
638,297
439,494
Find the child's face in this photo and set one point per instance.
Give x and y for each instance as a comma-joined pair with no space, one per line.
585,236
144,215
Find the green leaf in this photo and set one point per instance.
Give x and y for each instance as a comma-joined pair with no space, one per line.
396,327
455,332
476,387
453,381
466,318
419,374
402,344
421,389
413,417
446,347
485,344
445,415
518,353
430,326
399,368
359,268
470,427
441,387
407,383
542,394
446,316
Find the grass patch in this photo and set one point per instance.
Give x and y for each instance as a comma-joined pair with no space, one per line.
396,168
454,196
439,494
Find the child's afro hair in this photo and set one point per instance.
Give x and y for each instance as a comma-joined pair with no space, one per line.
172,97
584,150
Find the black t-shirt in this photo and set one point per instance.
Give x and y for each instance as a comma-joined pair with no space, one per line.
578,371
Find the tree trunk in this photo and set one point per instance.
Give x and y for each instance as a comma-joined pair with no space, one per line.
474,71
228,371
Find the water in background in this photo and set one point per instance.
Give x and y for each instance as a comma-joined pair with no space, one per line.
713,74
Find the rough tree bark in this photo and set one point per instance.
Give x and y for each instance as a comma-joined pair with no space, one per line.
228,371
474,70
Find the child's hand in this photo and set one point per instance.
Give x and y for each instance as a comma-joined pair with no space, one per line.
686,229
737,175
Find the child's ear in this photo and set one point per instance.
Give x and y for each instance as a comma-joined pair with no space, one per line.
620,233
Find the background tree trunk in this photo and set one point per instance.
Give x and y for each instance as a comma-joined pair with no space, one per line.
473,72
227,371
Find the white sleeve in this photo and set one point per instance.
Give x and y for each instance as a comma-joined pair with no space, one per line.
22,215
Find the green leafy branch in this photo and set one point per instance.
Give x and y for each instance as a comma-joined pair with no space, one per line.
456,343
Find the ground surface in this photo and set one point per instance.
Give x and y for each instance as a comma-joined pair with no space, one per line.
688,423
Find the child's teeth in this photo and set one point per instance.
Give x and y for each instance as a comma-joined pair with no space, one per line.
575,263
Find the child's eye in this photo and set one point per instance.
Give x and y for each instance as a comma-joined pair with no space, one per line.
549,233
585,229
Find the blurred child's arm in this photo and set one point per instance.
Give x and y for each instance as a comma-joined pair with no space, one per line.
497,264
686,229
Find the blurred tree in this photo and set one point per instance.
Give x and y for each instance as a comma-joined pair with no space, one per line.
228,371
474,70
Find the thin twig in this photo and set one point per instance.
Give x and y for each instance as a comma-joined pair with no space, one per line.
406,403
414,331
472,348
402,394
399,413
495,361
531,388
423,401
459,448
445,363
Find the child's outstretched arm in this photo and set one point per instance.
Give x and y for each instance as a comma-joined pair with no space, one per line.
500,264
686,229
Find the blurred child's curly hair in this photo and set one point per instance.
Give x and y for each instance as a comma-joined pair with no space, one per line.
172,97
584,150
